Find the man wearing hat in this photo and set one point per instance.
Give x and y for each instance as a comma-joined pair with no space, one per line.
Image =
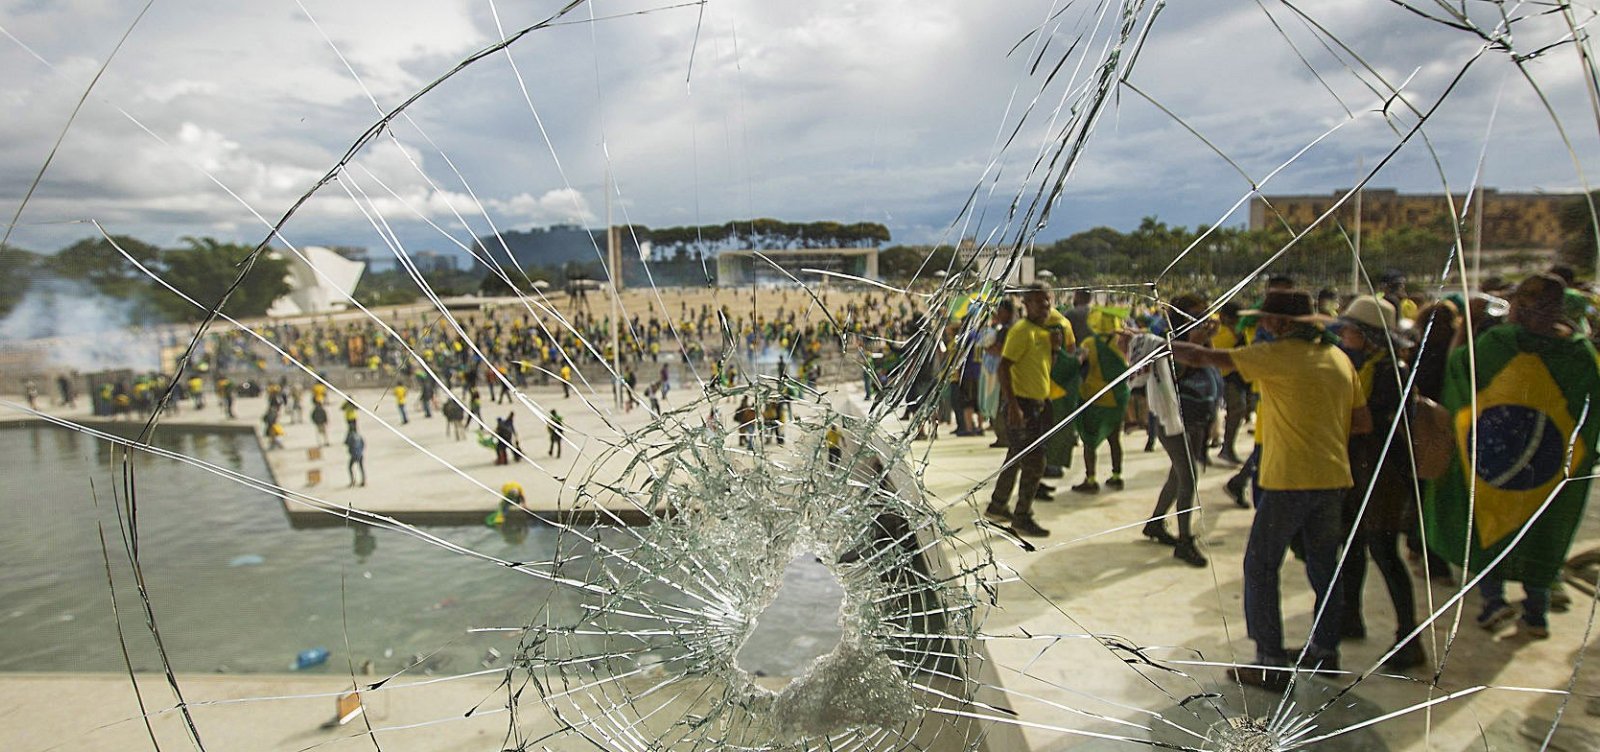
1311,402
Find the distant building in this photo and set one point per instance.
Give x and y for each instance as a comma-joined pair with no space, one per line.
1510,220
433,261
748,267
320,281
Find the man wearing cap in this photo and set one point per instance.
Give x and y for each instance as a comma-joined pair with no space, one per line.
1310,404
1024,396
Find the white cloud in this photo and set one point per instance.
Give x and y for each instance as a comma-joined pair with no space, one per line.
559,205
882,110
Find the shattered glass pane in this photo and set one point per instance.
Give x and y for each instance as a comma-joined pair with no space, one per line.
181,575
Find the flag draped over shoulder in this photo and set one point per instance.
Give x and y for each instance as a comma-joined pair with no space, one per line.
1534,427
1065,372
1102,365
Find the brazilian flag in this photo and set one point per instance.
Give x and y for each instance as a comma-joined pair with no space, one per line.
1064,377
1532,391
1102,365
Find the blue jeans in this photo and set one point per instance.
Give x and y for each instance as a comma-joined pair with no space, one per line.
1535,607
1282,515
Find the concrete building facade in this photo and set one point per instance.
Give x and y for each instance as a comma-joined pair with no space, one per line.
1510,220
736,268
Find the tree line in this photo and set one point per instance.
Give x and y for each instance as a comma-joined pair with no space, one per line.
1203,257
202,268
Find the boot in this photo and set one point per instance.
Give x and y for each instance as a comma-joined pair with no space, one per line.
1186,552
1155,531
1025,526
1408,656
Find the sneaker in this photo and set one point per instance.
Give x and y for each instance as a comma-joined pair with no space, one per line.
1496,615
1187,553
1314,662
1088,486
1230,458
1236,493
1272,680
1043,495
997,512
1047,488
1054,471
1526,631
1560,600
1027,527
1114,481
999,445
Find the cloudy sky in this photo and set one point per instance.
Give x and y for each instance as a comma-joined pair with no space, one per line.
213,118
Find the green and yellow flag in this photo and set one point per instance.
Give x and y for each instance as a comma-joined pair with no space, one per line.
1532,392
1065,372
1102,364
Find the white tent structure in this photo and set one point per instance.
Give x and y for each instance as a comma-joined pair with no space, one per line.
320,281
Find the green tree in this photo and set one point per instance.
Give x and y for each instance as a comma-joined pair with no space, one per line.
205,269
17,268
97,261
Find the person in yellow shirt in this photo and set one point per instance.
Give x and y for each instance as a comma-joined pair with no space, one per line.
1311,403
400,400
1024,377
197,389
1235,391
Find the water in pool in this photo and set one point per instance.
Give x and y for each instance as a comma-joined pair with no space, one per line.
236,590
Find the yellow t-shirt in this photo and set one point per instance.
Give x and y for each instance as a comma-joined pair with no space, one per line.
1408,309
1225,339
1028,348
400,394
1307,393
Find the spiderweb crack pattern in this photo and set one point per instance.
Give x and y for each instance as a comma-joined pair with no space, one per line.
634,647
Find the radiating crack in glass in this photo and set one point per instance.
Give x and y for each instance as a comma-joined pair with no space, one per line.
671,538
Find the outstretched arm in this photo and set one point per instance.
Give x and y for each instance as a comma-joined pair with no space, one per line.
1191,354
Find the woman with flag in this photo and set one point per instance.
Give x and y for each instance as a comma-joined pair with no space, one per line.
1101,418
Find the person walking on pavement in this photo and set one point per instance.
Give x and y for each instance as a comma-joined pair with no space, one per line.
357,447
555,426
1383,502
1182,401
1513,497
989,381
1311,403
319,420
1024,375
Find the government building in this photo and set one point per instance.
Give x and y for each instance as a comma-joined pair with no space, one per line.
1510,220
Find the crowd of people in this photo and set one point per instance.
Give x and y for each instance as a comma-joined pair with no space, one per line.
1351,396
1374,423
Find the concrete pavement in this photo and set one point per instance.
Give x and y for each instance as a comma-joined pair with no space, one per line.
1093,576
